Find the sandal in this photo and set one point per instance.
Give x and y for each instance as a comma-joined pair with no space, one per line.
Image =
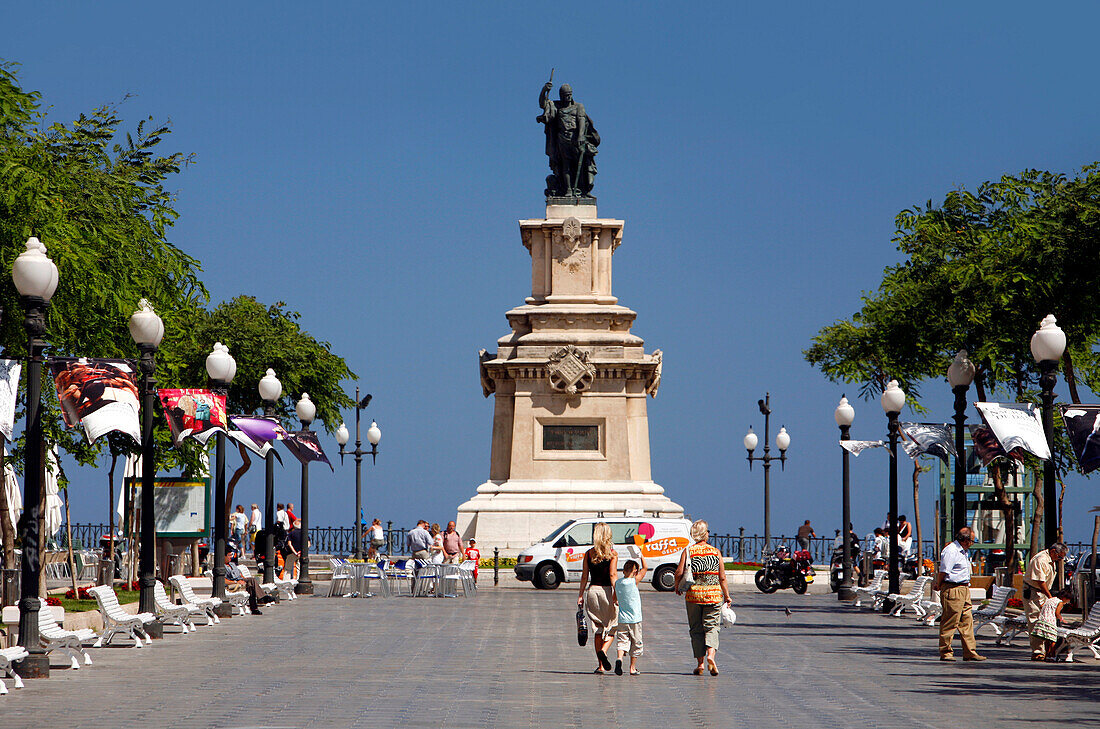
713,667
635,672
602,657
598,671
698,671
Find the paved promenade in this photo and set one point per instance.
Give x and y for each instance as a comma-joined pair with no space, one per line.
508,658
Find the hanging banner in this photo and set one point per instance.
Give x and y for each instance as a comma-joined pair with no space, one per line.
195,413
260,449
260,430
986,446
855,447
1081,423
99,394
9,390
933,439
1016,425
305,447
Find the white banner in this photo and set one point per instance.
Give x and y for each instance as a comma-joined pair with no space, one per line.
1016,425
9,389
855,447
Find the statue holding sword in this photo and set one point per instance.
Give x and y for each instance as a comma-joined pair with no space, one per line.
571,142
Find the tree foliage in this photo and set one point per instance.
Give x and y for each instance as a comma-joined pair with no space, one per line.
97,197
979,272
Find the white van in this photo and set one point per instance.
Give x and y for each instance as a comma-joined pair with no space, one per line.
559,557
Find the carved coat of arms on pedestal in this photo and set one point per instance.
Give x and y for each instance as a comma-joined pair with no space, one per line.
569,370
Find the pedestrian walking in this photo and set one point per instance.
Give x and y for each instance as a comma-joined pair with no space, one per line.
452,545
905,536
953,583
1038,581
805,534
255,524
597,593
238,521
629,601
705,598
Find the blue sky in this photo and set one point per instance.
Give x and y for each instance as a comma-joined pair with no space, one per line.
758,155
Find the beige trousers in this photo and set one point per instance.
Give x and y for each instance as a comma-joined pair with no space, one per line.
704,625
957,614
1032,608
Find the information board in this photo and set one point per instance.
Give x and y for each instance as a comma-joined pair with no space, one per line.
181,507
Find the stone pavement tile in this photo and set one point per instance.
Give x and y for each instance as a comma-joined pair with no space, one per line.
509,658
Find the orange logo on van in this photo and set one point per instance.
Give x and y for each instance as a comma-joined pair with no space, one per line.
664,546
570,556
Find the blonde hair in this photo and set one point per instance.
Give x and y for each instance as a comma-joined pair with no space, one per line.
700,530
602,547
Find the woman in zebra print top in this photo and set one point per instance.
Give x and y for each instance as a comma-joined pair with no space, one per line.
705,598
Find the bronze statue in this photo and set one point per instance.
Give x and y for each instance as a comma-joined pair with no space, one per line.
571,142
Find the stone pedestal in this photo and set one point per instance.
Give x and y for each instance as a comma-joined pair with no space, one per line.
570,429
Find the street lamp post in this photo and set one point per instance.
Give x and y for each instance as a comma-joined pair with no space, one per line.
147,330
1048,344
270,391
782,441
374,436
959,375
893,400
844,415
307,411
221,368
35,277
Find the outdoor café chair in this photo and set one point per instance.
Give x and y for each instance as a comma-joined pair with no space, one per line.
987,615
170,613
188,597
7,657
398,574
427,578
341,578
872,588
116,620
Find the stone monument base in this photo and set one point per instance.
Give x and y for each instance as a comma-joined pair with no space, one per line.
512,515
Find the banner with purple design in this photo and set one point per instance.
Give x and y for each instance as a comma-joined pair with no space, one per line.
1082,422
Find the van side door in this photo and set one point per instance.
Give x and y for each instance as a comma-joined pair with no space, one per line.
571,547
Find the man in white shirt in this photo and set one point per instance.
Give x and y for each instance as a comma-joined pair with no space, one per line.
281,517
953,582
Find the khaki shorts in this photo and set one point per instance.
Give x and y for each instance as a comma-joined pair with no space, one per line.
629,638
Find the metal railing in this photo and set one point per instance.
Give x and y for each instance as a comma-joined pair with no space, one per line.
341,541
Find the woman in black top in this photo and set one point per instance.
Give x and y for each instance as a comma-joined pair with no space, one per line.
598,574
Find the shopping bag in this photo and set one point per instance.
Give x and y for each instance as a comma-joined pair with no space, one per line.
688,578
582,628
728,615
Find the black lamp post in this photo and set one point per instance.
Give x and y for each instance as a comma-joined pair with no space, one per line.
221,368
306,412
147,330
960,374
782,441
844,415
374,436
35,277
1048,344
270,391
893,400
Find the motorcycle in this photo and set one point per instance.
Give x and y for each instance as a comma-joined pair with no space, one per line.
782,569
836,565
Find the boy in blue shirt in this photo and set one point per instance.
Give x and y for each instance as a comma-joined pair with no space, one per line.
630,615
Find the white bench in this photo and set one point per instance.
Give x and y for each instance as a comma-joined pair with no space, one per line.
997,604
56,638
7,657
116,620
205,605
171,614
871,590
912,600
269,588
1084,636
237,599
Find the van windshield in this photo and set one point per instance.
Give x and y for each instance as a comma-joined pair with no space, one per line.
557,532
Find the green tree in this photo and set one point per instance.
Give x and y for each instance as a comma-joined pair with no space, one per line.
979,272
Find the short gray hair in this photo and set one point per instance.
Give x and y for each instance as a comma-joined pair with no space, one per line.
699,530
